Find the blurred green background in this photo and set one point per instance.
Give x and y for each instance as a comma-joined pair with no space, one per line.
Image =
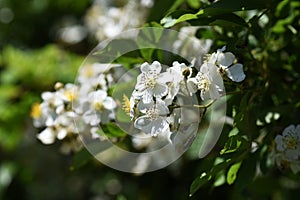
33,57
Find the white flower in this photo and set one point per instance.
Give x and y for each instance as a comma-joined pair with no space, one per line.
68,93
62,125
95,76
287,149
176,80
225,62
99,108
52,101
154,121
151,83
207,81
289,142
107,19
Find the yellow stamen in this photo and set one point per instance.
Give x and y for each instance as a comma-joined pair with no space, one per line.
36,110
98,106
126,104
70,95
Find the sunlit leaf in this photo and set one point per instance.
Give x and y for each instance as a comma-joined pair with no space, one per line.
232,173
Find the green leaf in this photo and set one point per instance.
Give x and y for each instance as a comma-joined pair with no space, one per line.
233,144
199,182
148,39
112,130
215,171
80,158
247,172
232,173
214,12
195,4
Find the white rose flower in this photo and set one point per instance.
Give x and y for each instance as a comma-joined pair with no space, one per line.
176,82
289,142
151,83
154,121
207,81
100,108
225,62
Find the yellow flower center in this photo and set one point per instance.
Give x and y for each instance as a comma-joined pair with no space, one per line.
204,84
70,95
88,71
150,83
291,142
152,114
36,111
98,106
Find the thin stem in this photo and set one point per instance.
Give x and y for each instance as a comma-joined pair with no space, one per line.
194,106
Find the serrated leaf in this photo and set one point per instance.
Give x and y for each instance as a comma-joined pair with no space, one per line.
232,173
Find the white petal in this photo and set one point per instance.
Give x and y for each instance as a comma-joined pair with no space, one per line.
156,66
288,130
147,97
161,107
213,92
160,90
291,154
109,103
236,73
142,122
279,143
226,59
100,95
145,67
46,136
62,133
143,106
192,85
47,95
158,126
140,85
166,77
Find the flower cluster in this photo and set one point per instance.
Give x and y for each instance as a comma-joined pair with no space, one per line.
154,98
87,102
287,148
153,105
107,19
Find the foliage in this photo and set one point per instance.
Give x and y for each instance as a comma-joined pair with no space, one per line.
264,36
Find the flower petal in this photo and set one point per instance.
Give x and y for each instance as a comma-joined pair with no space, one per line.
289,130
143,123
160,90
279,143
46,136
109,103
225,59
236,73
192,85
